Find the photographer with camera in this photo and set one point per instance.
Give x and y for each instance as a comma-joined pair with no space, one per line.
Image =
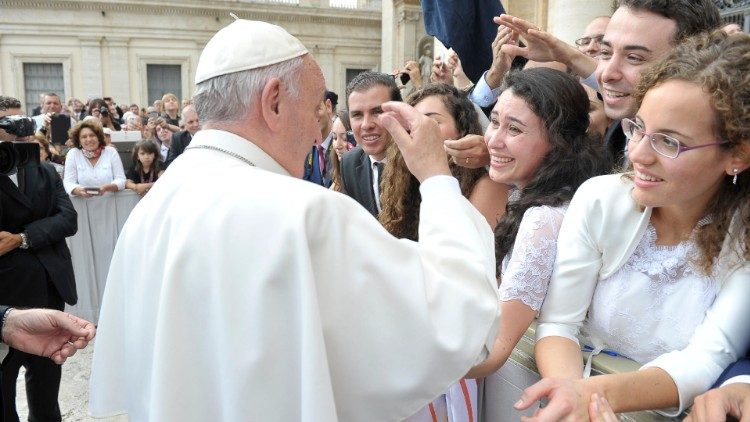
99,109
36,216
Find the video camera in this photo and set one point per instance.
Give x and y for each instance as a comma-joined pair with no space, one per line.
17,154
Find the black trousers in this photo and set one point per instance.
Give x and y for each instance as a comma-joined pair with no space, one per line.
42,379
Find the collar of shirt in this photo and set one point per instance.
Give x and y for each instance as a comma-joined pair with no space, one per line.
327,141
373,161
239,145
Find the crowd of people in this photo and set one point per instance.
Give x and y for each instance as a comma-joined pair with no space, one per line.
655,260
88,160
601,190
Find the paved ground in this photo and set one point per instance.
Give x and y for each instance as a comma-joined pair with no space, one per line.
74,390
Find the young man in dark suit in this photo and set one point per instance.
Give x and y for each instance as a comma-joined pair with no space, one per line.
362,167
36,216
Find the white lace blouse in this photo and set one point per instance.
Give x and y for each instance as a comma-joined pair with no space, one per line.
653,304
526,271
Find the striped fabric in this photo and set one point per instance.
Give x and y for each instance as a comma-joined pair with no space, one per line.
458,404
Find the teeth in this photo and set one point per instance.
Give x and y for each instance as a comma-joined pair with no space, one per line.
371,138
501,160
615,94
647,178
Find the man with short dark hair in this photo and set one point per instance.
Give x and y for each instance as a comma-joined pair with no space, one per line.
638,35
36,216
362,167
318,161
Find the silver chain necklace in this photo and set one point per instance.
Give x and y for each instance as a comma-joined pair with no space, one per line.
215,148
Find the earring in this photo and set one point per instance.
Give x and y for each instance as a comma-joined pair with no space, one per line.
734,179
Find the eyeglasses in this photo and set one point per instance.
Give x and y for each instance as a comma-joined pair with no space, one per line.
662,144
587,40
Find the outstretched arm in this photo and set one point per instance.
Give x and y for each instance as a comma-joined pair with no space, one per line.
46,332
544,47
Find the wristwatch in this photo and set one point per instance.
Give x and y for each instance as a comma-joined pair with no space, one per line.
24,241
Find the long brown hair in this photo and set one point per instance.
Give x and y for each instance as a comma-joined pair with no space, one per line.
338,184
719,63
400,199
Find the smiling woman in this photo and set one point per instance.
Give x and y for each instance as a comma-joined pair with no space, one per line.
660,253
92,168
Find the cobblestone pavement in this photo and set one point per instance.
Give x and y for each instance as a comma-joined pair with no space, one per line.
74,390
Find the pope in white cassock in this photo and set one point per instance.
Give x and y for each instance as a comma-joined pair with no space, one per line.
223,301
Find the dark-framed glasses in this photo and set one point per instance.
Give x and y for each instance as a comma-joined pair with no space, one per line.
663,144
587,40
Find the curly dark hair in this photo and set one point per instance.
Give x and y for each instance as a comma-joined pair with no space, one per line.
400,198
75,132
574,157
719,63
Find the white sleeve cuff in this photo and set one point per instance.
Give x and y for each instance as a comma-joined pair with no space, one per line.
591,82
439,185
482,95
738,379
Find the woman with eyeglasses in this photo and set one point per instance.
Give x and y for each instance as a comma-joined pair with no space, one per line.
655,263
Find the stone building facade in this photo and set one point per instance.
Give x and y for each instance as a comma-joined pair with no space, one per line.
136,50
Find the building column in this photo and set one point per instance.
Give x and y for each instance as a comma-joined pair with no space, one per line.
91,67
567,19
403,27
324,55
117,84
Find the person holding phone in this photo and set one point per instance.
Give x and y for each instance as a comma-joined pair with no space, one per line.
91,167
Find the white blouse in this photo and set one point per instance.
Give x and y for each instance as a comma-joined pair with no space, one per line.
80,173
526,271
653,304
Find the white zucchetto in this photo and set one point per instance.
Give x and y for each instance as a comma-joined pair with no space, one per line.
244,45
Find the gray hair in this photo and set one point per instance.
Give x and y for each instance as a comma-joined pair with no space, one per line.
227,98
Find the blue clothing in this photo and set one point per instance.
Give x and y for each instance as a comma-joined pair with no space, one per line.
467,27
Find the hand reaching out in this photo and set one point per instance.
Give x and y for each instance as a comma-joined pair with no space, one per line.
47,332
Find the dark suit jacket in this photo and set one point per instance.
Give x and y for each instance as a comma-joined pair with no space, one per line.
614,143
180,141
356,176
44,212
741,367
312,171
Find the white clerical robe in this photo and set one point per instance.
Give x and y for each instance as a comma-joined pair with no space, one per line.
239,293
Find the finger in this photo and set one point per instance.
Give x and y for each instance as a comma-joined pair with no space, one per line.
72,324
514,50
393,126
533,394
605,410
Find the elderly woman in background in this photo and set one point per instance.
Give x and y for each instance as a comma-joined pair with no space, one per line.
91,167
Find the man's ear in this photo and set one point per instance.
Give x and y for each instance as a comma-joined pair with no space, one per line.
329,107
270,104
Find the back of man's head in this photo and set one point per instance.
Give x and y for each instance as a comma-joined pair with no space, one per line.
9,104
238,62
369,79
691,16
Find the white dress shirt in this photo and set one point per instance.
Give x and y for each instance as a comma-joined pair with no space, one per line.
80,173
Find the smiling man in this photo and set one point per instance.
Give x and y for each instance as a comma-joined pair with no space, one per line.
639,34
362,167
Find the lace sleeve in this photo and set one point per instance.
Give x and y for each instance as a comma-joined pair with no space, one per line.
526,273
